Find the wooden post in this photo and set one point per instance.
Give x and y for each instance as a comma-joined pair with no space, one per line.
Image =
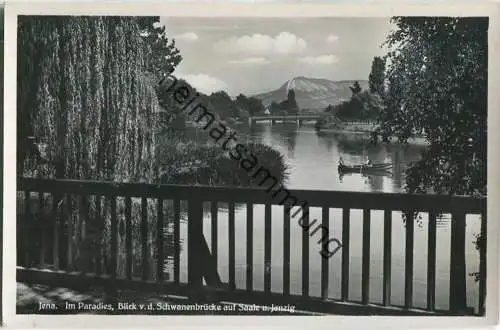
458,301
159,243
201,263
325,222
346,228
177,240
431,262
195,238
409,246
144,238
267,248
286,250
113,289
365,270
232,249
482,265
387,256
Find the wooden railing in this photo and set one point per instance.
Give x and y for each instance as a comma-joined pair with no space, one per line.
202,260
286,117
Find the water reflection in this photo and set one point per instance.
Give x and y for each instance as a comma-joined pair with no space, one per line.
313,156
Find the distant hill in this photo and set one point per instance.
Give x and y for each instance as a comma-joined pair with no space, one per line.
313,93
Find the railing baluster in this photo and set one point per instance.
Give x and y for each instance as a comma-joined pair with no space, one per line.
84,215
79,200
214,218
458,301
128,234
159,242
26,227
325,219
177,239
267,248
431,262
365,277
114,236
43,226
409,259
19,236
249,265
144,238
286,250
99,222
387,256
305,250
482,265
232,263
68,215
345,253
55,216
195,240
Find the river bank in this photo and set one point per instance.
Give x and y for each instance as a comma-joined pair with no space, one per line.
420,141
364,129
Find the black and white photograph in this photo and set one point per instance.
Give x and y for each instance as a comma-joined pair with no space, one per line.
273,166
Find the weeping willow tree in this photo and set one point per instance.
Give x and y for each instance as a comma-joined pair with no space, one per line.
83,93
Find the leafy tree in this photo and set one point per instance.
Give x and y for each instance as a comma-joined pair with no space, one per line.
251,105
291,104
362,106
162,56
330,108
343,110
438,85
371,105
376,79
223,105
170,118
355,88
255,106
274,108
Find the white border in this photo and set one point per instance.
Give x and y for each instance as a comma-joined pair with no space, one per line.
239,10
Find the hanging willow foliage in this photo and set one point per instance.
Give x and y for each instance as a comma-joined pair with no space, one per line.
83,92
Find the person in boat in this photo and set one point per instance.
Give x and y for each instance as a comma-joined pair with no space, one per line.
341,162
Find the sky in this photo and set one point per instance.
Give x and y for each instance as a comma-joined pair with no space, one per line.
255,55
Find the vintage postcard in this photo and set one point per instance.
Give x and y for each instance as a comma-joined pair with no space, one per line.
250,160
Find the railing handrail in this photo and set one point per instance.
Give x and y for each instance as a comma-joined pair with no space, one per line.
313,198
285,116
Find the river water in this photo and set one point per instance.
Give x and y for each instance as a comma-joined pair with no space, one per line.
313,159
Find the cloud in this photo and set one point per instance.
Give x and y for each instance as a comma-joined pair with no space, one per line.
187,36
251,60
332,38
203,83
322,59
261,44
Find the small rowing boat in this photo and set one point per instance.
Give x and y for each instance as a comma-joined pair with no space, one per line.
372,168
